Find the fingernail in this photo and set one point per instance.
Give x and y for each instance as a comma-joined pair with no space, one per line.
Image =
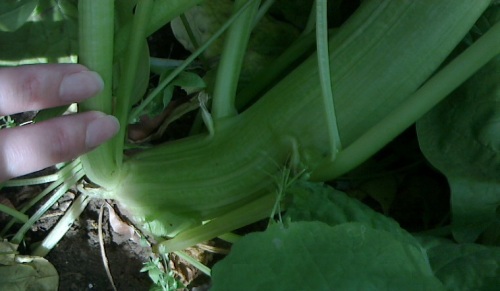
100,130
79,86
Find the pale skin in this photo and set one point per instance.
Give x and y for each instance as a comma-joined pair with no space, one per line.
34,147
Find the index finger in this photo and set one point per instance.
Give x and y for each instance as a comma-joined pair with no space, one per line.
34,87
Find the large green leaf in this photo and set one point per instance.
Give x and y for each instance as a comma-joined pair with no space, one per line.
464,266
474,205
33,273
315,256
460,137
320,202
25,272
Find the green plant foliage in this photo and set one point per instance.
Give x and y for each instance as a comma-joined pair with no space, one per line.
319,202
381,60
7,122
187,81
163,279
295,12
315,256
269,38
14,13
460,137
475,207
464,266
25,272
47,34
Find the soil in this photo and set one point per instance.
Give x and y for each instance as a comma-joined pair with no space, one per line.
77,256
79,262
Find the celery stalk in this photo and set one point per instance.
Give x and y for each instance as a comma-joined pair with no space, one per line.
200,178
229,68
96,24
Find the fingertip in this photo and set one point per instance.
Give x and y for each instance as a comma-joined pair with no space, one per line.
100,130
79,86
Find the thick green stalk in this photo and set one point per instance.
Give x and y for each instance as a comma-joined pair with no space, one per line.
373,71
229,67
96,31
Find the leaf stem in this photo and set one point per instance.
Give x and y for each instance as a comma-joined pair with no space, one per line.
30,181
433,91
62,226
325,78
137,41
96,36
64,174
194,262
14,213
67,183
263,9
229,69
245,215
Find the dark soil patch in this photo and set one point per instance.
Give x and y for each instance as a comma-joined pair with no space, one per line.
79,262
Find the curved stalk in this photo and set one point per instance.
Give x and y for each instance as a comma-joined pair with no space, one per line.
229,68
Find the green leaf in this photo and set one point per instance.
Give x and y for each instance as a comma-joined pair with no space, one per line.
315,256
14,13
460,137
320,202
464,266
8,253
189,82
25,272
474,205
49,113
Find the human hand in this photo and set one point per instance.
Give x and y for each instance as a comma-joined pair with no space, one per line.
36,146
